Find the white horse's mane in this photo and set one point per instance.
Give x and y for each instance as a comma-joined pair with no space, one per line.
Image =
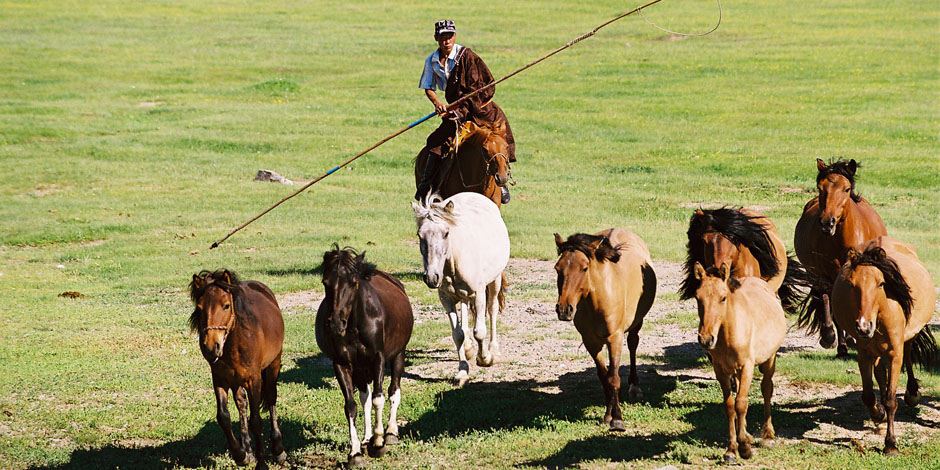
434,208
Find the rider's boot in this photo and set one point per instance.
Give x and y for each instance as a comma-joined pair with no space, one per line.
505,194
431,168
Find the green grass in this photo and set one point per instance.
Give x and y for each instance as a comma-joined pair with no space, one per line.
130,133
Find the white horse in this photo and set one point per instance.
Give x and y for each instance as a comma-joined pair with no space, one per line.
465,248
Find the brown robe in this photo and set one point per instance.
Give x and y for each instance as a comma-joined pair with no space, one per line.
470,73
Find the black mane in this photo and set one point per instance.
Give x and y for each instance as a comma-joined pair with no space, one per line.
216,279
737,227
845,169
350,260
896,287
584,243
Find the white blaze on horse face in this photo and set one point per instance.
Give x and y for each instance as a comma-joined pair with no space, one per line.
435,249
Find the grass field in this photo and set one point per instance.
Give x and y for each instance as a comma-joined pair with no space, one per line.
130,133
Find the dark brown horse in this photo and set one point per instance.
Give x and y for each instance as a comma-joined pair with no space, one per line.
364,321
606,284
834,221
481,164
752,246
240,334
884,297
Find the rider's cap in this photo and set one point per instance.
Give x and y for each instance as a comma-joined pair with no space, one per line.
444,26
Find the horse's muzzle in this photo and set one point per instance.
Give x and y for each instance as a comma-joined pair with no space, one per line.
565,313
828,225
865,328
433,280
707,342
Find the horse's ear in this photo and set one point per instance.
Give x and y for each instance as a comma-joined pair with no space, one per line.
415,206
226,277
724,271
853,165
699,212
558,240
361,257
449,208
699,271
851,256
879,253
820,165
198,281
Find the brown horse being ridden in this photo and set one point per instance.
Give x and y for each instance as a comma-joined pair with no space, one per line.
606,284
834,221
741,325
884,297
752,246
364,321
240,334
478,163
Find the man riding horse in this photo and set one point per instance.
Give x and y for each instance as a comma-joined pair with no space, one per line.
458,71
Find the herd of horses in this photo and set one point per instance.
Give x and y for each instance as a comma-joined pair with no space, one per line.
849,278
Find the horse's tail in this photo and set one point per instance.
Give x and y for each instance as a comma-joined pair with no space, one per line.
795,287
810,310
924,349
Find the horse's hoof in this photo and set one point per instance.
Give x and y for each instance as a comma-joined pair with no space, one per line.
617,425
607,419
391,439
376,452
878,414
827,338
484,361
635,393
912,398
842,352
261,465
470,353
892,451
355,460
244,459
729,458
281,458
461,379
744,451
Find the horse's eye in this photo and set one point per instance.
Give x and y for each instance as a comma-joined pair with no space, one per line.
446,234
882,284
584,270
723,299
227,306
847,189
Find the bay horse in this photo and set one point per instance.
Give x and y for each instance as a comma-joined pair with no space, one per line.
606,286
751,243
465,248
834,221
479,163
241,333
741,324
884,297
364,321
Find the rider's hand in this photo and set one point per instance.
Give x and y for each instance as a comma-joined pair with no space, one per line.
441,109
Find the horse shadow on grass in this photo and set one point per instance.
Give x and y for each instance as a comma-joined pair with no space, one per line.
205,449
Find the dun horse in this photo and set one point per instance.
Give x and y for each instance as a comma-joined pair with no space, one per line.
479,163
834,221
364,321
884,297
465,248
741,324
606,284
750,242
240,334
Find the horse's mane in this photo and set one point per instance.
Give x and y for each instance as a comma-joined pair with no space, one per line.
483,133
584,243
737,227
845,169
732,282
433,208
349,259
896,287
215,278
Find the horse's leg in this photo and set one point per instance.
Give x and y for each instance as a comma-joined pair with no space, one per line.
865,366
615,349
241,402
269,390
881,376
767,389
377,443
344,377
740,407
484,358
394,398
225,422
365,399
912,393
457,332
891,401
842,350
633,383
254,420
492,314
468,349
596,350
827,327
724,380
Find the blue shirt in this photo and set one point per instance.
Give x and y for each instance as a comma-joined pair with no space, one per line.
434,77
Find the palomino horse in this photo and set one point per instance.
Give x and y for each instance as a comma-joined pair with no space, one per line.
481,164
741,324
364,322
750,242
606,284
884,297
240,334
832,222
465,248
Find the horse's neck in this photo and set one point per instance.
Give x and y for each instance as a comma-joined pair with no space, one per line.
858,224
